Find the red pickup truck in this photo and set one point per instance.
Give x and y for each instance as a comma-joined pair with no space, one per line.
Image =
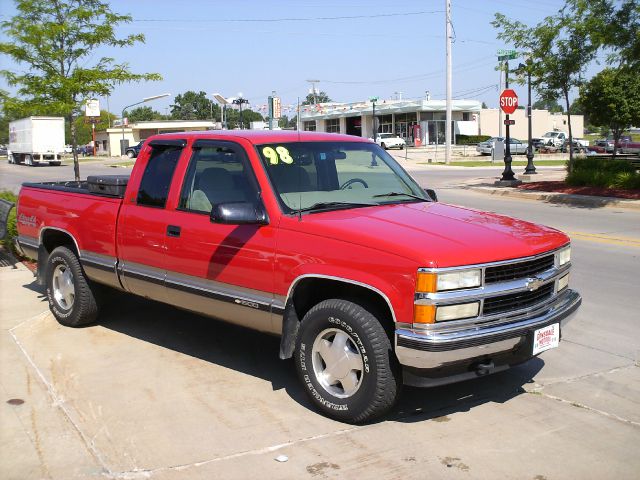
322,239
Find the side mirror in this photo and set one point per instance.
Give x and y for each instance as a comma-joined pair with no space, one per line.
238,213
431,193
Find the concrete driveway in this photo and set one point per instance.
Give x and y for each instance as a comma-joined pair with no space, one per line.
154,392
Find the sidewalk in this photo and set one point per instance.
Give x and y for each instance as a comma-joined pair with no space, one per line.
38,440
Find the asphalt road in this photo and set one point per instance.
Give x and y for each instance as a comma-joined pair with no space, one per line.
154,392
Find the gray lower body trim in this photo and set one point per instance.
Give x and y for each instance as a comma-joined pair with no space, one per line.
28,246
241,306
100,268
435,351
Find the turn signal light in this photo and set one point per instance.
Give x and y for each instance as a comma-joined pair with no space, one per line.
424,314
427,282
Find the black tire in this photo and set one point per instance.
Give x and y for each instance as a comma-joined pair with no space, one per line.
130,154
383,146
401,147
83,308
379,382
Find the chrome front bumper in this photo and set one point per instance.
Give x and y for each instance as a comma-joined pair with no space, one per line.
438,351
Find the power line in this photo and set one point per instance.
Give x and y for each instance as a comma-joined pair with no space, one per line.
289,19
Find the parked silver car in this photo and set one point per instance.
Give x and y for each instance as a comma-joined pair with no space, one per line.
516,146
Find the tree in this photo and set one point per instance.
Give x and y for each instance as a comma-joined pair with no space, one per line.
612,100
613,26
194,106
144,114
56,41
546,104
484,105
248,116
559,48
320,97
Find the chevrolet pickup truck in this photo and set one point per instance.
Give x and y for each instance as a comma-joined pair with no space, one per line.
321,239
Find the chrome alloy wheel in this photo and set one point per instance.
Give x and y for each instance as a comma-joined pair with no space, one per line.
64,291
337,363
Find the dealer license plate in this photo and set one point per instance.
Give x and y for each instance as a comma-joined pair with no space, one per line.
546,338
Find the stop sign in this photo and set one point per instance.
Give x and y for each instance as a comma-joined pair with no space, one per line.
508,101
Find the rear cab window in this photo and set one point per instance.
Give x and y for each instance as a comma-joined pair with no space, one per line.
158,174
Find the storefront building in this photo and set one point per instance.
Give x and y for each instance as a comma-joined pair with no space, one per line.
419,122
109,141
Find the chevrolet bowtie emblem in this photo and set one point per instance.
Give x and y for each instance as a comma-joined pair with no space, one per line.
534,283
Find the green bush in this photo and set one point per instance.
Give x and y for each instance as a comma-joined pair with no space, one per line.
606,173
12,230
471,139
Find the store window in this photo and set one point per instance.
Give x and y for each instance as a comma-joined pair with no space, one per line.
332,125
385,124
310,126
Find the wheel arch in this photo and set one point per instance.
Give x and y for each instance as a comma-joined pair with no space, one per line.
310,289
51,238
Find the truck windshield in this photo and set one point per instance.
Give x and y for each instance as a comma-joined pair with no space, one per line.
336,175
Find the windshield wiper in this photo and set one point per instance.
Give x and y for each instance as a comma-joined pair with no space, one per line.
401,194
328,205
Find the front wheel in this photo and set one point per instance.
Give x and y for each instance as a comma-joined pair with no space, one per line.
71,295
383,145
346,363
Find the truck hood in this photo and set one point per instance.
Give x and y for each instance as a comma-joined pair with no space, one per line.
434,234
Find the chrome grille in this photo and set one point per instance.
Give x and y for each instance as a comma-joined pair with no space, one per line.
512,271
516,301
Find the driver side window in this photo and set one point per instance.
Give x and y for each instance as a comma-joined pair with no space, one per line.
216,175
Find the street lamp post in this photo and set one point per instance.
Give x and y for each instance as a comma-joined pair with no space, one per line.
144,100
239,101
224,102
374,162
530,169
507,174
375,129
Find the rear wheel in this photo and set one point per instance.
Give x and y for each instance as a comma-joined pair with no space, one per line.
346,363
130,154
383,145
72,297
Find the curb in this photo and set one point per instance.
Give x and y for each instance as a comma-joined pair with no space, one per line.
585,201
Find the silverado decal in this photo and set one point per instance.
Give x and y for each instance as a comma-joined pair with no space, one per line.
27,221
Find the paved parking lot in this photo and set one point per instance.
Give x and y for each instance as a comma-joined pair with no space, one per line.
155,392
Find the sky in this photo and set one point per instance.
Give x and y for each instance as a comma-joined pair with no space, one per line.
357,49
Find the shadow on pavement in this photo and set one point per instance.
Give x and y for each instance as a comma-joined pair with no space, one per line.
256,354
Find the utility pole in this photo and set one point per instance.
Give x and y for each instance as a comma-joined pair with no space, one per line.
313,89
447,151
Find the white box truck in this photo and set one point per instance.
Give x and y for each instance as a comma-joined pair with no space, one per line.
36,139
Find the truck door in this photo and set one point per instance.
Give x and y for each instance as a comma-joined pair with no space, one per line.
225,271
143,222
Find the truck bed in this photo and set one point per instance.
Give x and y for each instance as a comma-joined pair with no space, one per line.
102,185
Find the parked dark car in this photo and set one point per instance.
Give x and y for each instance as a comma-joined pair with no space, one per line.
132,152
576,147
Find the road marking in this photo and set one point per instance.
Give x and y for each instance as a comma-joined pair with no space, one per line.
604,238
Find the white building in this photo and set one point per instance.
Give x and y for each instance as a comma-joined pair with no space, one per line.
419,122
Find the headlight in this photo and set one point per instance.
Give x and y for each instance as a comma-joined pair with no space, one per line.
563,256
439,282
456,312
430,313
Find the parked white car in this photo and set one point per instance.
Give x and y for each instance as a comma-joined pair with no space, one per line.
390,140
554,139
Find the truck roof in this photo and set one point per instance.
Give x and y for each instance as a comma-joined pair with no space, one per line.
264,136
